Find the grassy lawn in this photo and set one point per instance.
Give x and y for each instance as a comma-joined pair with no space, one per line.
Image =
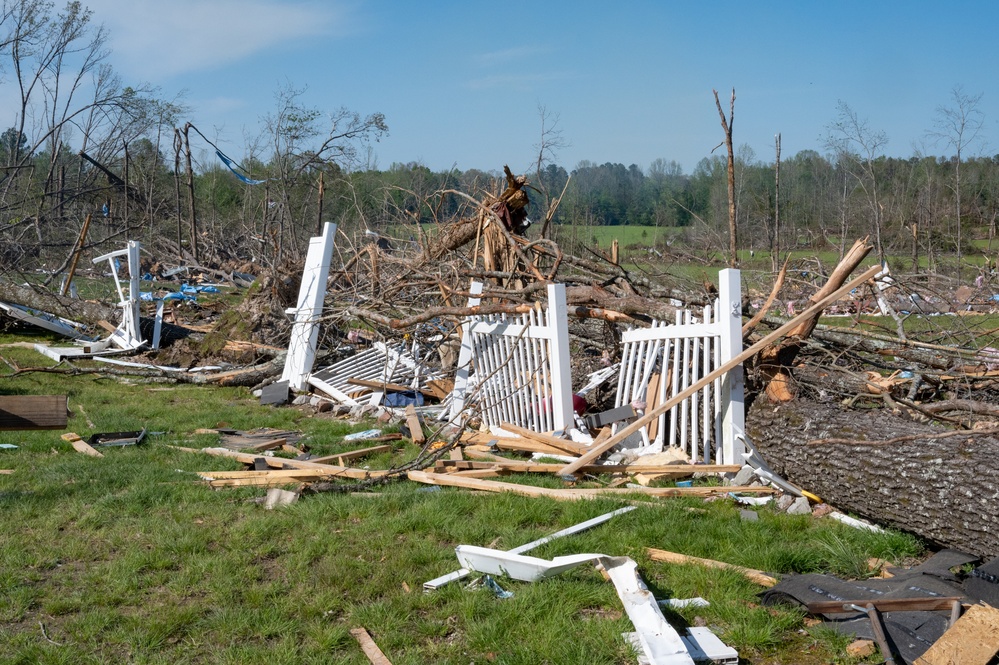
130,558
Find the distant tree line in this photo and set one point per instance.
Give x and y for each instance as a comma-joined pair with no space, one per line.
82,143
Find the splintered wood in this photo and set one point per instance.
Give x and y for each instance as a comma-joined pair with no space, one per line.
972,640
369,647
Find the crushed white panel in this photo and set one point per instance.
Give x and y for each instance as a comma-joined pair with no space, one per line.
855,523
520,549
705,647
305,331
45,320
659,641
598,378
382,363
705,425
518,566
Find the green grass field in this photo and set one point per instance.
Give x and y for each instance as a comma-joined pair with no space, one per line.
131,558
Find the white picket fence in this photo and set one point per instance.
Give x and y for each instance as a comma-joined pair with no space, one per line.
521,365
663,360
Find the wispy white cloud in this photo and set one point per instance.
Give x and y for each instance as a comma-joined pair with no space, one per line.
519,82
155,39
508,55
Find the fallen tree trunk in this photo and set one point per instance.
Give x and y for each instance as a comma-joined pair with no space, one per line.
81,311
940,484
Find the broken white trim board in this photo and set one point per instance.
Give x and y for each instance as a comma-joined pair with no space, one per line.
438,582
305,331
660,642
518,566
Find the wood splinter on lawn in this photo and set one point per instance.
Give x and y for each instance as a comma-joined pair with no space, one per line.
80,445
369,647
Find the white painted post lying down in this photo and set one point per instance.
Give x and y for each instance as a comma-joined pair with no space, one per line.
660,643
305,331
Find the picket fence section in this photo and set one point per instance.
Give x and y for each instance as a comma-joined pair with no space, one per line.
521,366
663,360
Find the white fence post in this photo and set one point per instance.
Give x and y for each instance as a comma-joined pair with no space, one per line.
305,331
464,357
732,394
560,358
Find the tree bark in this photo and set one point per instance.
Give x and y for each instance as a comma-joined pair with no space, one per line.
940,484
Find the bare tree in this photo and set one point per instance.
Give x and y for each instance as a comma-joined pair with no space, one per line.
859,146
550,142
733,255
959,127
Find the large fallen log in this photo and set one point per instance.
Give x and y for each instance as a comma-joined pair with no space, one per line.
940,484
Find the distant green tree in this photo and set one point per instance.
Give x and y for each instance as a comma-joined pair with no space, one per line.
13,146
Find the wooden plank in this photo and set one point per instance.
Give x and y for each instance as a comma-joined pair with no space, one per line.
414,425
80,445
566,446
972,640
389,387
756,576
258,482
652,414
353,454
6,472
371,650
922,604
441,387
283,463
451,480
477,473
525,466
33,412
288,448
267,445
651,402
526,446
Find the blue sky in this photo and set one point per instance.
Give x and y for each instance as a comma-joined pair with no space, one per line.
460,83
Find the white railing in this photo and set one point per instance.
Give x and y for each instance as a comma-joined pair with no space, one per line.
663,360
521,365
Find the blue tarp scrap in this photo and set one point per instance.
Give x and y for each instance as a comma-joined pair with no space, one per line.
233,166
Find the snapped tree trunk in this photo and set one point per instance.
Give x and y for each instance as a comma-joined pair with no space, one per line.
940,484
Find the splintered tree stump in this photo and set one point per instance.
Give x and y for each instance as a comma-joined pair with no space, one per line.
940,484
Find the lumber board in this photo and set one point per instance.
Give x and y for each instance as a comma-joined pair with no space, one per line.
522,445
389,387
371,650
652,414
6,472
921,604
33,412
414,425
353,454
564,445
451,480
284,463
267,445
525,466
756,576
972,640
80,445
